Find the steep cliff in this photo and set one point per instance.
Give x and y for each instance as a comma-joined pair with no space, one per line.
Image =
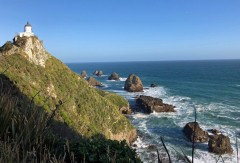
50,83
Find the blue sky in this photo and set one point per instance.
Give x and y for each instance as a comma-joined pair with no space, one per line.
128,30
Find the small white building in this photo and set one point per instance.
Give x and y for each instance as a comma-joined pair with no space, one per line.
27,32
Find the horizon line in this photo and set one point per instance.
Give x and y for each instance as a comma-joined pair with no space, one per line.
186,60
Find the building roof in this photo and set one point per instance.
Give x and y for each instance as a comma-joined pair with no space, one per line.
29,25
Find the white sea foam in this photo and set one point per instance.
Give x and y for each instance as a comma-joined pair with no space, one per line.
105,85
123,79
140,115
140,143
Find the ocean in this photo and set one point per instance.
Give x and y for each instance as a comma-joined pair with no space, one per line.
211,87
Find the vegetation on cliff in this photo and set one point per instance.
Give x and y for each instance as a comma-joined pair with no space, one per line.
83,109
46,90
27,135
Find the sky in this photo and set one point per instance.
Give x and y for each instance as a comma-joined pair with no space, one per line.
128,30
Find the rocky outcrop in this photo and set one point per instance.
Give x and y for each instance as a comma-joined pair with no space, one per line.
133,84
33,48
153,85
125,110
93,82
30,47
8,49
149,104
98,73
200,135
219,144
114,76
95,72
84,74
129,136
214,131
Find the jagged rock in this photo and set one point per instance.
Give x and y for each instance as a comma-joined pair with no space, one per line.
34,49
84,74
133,84
200,135
125,110
153,85
219,144
114,76
31,48
93,82
95,72
98,72
214,131
149,104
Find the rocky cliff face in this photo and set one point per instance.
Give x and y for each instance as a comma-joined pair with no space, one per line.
51,83
33,48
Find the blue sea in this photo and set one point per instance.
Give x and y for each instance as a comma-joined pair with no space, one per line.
211,87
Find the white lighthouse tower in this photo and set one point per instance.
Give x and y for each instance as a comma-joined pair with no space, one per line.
28,28
27,32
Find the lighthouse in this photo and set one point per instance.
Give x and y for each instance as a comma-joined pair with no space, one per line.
28,28
27,32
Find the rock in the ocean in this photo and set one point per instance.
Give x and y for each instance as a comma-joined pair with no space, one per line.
114,76
214,131
93,82
200,135
84,74
98,72
219,144
133,84
95,72
149,104
153,85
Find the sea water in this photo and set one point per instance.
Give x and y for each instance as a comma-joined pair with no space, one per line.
210,87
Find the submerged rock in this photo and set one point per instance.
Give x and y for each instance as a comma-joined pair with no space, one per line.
133,84
150,104
114,76
153,85
200,135
93,82
219,144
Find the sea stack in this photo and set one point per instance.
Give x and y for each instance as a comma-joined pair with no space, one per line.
149,104
114,76
192,128
133,84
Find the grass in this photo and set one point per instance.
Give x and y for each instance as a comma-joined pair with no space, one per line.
114,98
27,135
85,109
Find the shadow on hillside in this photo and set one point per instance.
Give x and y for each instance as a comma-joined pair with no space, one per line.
59,128
29,134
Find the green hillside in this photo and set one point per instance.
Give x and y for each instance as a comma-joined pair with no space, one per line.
50,83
